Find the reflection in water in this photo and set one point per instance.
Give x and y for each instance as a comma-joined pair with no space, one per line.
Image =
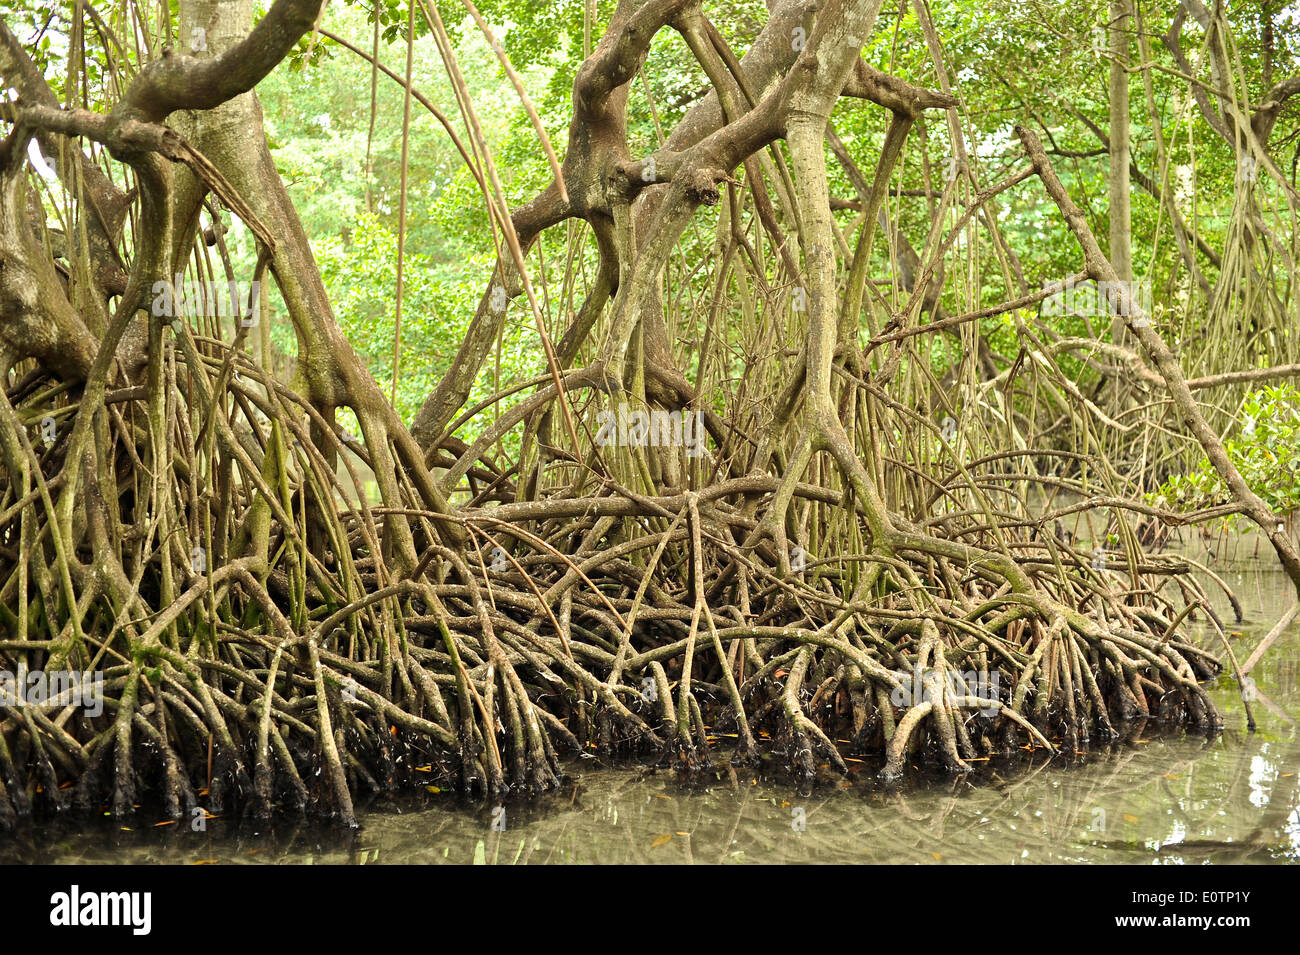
1149,798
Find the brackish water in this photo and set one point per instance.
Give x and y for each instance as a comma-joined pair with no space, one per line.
1156,797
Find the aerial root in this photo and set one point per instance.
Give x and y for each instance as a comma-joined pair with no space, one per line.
253,671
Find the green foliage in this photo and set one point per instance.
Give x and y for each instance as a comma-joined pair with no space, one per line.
318,122
1265,449
361,278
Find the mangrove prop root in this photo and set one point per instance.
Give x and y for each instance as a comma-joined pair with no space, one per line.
280,676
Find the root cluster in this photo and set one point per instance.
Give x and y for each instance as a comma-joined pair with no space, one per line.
261,649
